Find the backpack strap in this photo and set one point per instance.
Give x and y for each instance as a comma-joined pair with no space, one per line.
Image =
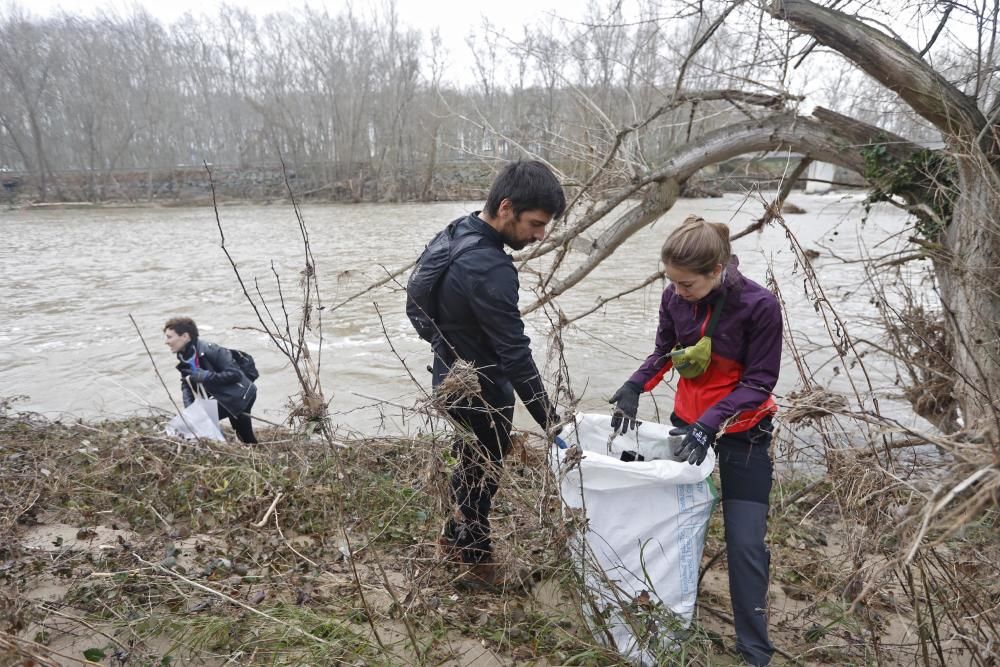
464,245
717,307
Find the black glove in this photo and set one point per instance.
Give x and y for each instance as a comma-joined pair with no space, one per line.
626,402
697,439
200,375
554,423
185,369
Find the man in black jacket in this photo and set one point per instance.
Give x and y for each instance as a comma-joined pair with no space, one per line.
476,303
213,368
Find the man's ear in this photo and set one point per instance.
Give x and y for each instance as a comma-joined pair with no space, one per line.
506,207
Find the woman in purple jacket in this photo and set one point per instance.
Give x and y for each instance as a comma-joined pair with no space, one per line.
722,333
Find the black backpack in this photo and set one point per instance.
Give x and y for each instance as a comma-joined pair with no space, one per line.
421,288
246,364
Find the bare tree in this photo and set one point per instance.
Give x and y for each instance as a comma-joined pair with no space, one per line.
30,59
955,193
952,192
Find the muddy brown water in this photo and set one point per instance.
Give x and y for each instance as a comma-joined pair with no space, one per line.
69,279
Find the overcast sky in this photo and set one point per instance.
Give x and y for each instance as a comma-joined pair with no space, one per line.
455,19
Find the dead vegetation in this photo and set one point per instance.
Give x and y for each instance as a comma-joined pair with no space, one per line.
221,553
461,383
118,547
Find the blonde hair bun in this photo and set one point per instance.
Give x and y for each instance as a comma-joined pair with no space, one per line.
697,245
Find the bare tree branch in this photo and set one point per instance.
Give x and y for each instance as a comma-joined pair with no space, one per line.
827,136
891,62
600,304
700,43
937,31
774,209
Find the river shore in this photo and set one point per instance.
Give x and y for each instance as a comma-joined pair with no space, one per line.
123,547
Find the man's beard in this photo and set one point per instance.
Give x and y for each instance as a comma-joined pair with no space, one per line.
508,238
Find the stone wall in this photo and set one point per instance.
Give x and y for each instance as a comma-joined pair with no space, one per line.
458,180
321,181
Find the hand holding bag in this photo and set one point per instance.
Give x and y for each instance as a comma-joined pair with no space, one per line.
198,420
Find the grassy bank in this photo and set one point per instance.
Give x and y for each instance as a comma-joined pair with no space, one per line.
120,547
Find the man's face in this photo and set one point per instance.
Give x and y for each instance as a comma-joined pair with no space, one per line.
522,230
174,342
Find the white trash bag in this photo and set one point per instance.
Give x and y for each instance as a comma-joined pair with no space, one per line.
646,527
198,420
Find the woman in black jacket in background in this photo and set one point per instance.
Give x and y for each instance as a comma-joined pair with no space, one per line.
213,368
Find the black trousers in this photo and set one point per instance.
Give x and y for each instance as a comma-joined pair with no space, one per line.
241,423
746,471
480,447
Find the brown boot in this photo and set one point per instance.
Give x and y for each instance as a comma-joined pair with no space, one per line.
488,577
447,548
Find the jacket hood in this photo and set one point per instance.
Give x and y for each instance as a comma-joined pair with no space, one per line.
477,225
732,282
189,351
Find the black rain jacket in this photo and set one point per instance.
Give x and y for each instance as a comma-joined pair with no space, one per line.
226,383
481,323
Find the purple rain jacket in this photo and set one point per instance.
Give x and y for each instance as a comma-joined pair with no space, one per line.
735,390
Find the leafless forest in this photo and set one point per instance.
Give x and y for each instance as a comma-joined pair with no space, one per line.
104,108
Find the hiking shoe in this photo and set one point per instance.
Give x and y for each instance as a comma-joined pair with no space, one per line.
447,549
489,577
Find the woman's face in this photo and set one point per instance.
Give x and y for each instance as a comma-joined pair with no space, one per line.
176,342
692,286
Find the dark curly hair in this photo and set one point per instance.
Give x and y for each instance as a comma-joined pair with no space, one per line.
181,326
529,185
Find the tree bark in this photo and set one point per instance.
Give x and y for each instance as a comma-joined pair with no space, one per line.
968,271
892,63
970,295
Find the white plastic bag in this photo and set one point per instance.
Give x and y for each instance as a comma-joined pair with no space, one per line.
198,420
646,527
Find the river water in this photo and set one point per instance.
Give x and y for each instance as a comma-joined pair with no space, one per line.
69,279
